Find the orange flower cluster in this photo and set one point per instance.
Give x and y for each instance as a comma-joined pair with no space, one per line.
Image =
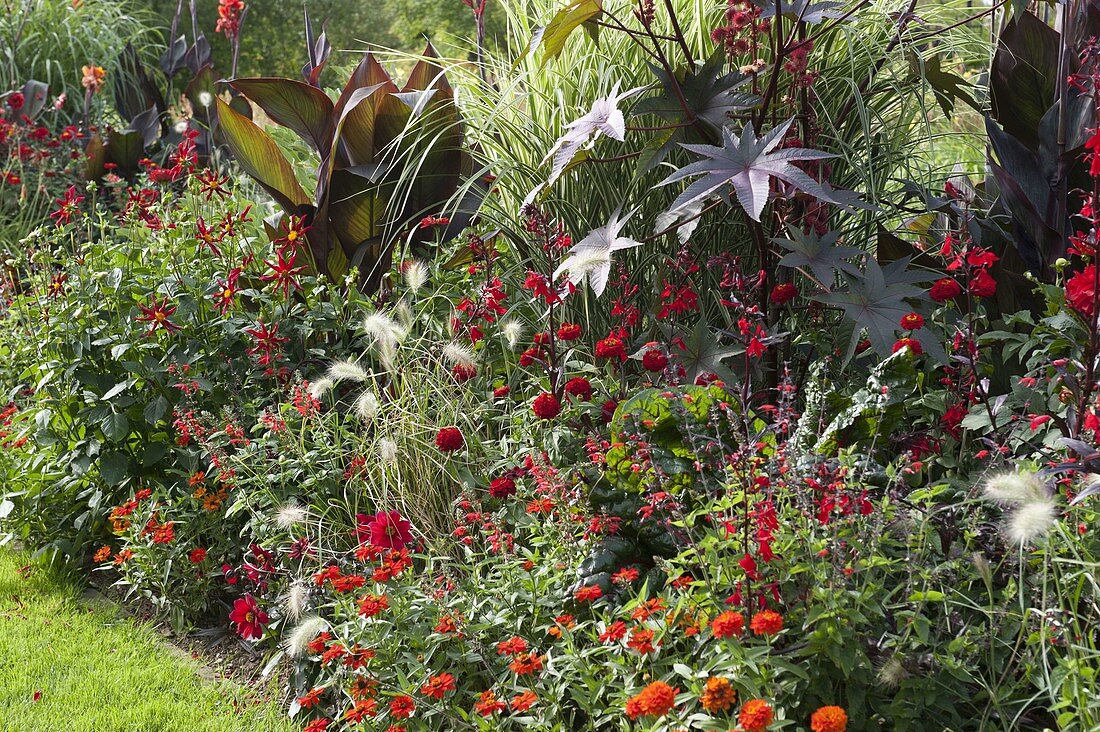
718,695
755,716
829,719
766,622
729,624
655,700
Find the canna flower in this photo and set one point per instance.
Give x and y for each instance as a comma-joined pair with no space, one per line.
93,78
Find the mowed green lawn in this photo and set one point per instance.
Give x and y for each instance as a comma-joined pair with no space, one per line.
70,667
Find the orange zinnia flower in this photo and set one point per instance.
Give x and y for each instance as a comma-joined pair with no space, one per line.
766,622
718,696
523,702
526,663
829,719
439,685
755,716
728,624
655,700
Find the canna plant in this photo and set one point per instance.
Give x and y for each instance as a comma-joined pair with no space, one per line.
387,155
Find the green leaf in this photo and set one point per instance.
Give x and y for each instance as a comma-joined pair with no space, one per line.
260,157
116,427
565,21
114,467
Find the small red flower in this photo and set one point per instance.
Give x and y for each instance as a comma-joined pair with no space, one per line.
588,593
156,315
386,530
611,347
912,321
569,332
546,406
728,624
502,487
755,716
654,360
197,555
487,704
449,439
912,344
439,685
579,387
945,289
783,293
402,706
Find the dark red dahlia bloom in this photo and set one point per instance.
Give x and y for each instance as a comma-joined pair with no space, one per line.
579,387
449,439
546,406
502,487
783,293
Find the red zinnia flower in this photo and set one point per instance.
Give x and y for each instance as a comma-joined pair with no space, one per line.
197,555
248,617
487,704
439,685
654,360
402,706
945,289
912,344
611,347
912,321
569,331
783,293
523,702
449,439
546,406
588,593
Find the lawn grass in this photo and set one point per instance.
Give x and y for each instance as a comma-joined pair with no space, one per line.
96,671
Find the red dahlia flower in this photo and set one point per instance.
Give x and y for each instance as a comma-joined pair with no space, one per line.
248,617
386,530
